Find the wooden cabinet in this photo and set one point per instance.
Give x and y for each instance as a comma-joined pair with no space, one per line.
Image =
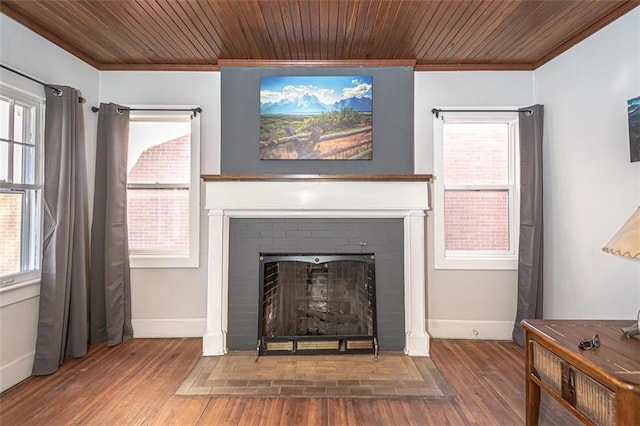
599,386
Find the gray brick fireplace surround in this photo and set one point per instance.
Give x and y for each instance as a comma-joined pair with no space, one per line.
250,237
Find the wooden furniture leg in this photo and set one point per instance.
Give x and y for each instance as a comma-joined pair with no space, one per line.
533,390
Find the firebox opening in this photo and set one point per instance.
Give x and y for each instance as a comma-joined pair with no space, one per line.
317,304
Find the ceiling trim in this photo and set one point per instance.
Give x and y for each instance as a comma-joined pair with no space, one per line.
474,67
158,67
319,63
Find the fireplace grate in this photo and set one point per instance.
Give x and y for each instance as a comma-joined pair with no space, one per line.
317,304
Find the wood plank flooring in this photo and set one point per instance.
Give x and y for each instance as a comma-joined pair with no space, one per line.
133,384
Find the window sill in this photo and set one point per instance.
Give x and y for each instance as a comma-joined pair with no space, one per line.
19,292
163,261
497,264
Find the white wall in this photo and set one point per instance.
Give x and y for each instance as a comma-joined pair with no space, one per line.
30,54
172,302
459,302
590,186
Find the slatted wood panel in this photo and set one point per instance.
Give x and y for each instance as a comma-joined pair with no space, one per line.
196,34
134,383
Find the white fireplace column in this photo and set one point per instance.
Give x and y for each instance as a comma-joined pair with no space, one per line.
214,341
415,294
379,196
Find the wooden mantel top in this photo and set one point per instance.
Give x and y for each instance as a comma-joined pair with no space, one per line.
318,178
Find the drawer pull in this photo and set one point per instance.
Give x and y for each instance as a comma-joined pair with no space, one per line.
568,384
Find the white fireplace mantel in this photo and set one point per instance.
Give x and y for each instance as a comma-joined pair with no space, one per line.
317,196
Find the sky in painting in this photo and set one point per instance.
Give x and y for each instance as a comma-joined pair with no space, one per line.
328,89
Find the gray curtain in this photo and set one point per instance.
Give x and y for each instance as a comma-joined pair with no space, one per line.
110,309
531,231
63,321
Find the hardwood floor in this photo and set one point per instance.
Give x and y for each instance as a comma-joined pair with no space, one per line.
134,384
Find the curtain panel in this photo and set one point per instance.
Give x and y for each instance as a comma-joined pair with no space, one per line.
530,251
63,316
110,309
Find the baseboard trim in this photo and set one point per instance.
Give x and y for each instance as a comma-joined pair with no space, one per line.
16,371
470,329
167,328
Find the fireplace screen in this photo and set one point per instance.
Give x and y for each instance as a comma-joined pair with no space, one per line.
317,304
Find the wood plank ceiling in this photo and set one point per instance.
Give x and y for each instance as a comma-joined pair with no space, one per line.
432,34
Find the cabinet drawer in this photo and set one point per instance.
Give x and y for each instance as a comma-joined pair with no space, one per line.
595,401
547,367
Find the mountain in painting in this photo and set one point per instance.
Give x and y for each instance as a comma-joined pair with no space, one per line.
301,105
362,104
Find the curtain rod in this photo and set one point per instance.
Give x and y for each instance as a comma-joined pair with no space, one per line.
23,75
56,91
437,111
195,111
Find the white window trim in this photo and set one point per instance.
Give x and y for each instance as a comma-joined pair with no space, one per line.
28,92
168,259
465,259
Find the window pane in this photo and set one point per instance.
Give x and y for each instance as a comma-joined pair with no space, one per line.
4,119
159,152
476,153
31,232
476,220
158,219
18,161
29,167
24,164
10,231
18,123
4,161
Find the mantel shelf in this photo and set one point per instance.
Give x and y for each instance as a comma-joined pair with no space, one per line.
318,178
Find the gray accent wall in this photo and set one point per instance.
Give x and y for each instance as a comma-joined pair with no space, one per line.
393,128
250,237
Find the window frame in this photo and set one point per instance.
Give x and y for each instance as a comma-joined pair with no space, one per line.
31,230
476,259
167,258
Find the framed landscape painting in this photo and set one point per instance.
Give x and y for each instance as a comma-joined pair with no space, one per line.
633,107
316,118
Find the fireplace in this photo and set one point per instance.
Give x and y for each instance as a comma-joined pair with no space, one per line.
317,304
285,197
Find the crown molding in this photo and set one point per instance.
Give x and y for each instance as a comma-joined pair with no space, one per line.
319,63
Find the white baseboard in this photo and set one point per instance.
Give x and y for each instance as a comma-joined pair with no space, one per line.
176,327
470,329
16,371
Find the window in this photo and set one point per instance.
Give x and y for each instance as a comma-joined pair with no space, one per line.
163,191
21,130
475,190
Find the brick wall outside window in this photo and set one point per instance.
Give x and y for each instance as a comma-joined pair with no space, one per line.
159,218
476,154
168,162
10,224
476,220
